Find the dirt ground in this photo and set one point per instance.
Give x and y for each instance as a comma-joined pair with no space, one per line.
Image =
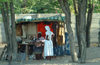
93,58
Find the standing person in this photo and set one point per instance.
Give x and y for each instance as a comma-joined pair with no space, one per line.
48,44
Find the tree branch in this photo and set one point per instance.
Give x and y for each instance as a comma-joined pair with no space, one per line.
75,7
62,5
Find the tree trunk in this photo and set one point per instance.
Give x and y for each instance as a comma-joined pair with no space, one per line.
9,30
78,35
82,29
99,38
77,26
3,12
9,34
6,25
65,7
71,41
14,43
80,11
89,21
83,39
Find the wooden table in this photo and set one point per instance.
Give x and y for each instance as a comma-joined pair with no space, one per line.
27,50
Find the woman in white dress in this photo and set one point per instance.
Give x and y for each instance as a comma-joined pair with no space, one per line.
48,44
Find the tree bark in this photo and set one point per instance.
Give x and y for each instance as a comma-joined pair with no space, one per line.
9,34
89,21
6,25
77,26
82,20
71,41
14,43
4,16
9,29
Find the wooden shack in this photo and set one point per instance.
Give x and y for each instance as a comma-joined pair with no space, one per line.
30,27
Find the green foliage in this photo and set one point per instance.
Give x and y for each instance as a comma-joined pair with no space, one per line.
37,6
44,6
5,0
96,5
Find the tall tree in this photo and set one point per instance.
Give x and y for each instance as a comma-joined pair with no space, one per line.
5,16
80,7
75,3
66,9
6,23
8,16
13,29
89,21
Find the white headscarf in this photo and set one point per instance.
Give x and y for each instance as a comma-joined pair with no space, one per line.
48,32
47,28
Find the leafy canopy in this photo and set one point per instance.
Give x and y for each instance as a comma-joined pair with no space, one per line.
44,6
37,6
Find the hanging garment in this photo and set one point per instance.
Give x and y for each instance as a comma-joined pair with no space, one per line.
61,34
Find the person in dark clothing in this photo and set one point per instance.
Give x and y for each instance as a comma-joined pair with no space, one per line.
39,47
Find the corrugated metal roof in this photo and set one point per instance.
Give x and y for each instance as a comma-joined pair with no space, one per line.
52,18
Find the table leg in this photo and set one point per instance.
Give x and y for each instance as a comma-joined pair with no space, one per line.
26,52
